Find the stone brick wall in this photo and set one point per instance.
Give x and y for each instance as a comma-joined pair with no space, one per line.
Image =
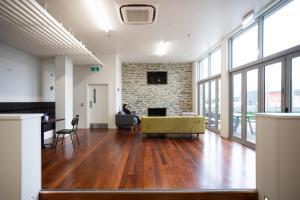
176,96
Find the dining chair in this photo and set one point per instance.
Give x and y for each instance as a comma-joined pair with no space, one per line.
70,132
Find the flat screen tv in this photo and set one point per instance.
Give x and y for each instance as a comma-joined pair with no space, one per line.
157,77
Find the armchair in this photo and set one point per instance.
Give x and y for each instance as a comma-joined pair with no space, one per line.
126,121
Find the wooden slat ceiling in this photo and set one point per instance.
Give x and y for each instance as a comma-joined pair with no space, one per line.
29,27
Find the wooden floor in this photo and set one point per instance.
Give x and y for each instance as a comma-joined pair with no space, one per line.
109,160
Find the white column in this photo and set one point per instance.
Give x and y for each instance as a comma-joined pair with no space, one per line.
195,88
225,92
63,91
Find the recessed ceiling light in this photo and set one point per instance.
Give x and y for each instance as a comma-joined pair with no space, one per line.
162,48
97,11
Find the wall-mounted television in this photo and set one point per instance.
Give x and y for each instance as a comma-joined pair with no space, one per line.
157,77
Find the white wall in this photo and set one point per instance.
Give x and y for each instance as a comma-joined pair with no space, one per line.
48,79
83,77
25,78
20,79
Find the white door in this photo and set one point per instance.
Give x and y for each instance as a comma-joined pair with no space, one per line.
98,106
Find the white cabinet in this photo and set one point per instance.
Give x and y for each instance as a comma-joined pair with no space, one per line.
278,156
20,155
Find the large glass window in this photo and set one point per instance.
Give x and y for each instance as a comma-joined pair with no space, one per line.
203,68
281,29
277,88
209,68
211,64
245,47
215,62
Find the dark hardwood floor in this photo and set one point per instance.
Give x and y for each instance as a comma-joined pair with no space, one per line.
106,159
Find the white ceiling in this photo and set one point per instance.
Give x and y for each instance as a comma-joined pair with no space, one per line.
26,26
207,21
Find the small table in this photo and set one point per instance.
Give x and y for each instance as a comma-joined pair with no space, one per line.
43,129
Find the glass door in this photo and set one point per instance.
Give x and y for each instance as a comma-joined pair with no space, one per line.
213,107
200,101
295,83
237,105
210,103
273,87
206,102
245,92
252,104
219,105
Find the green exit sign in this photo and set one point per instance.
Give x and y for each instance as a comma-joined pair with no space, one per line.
97,68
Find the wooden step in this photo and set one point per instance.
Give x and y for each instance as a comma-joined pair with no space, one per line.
149,195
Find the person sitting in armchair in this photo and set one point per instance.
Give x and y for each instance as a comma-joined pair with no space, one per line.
128,112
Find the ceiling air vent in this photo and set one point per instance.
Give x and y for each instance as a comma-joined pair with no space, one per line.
138,14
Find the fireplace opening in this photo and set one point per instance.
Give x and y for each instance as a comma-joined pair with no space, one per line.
157,111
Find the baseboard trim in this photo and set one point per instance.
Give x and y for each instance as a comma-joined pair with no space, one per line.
149,194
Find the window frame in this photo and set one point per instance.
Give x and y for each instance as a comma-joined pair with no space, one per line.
260,22
239,33
285,57
199,67
208,56
261,19
207,80
208,96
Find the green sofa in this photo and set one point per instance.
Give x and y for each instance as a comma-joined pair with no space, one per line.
173,125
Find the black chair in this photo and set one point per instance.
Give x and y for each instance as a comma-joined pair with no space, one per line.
70,132
126,121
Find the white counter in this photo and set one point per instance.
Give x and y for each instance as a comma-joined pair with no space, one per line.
20,155
5,117
277,156
279,115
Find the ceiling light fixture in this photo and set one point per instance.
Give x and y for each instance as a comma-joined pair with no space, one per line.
162,48
248,19
98,12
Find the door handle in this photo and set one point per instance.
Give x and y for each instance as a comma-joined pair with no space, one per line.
91,104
